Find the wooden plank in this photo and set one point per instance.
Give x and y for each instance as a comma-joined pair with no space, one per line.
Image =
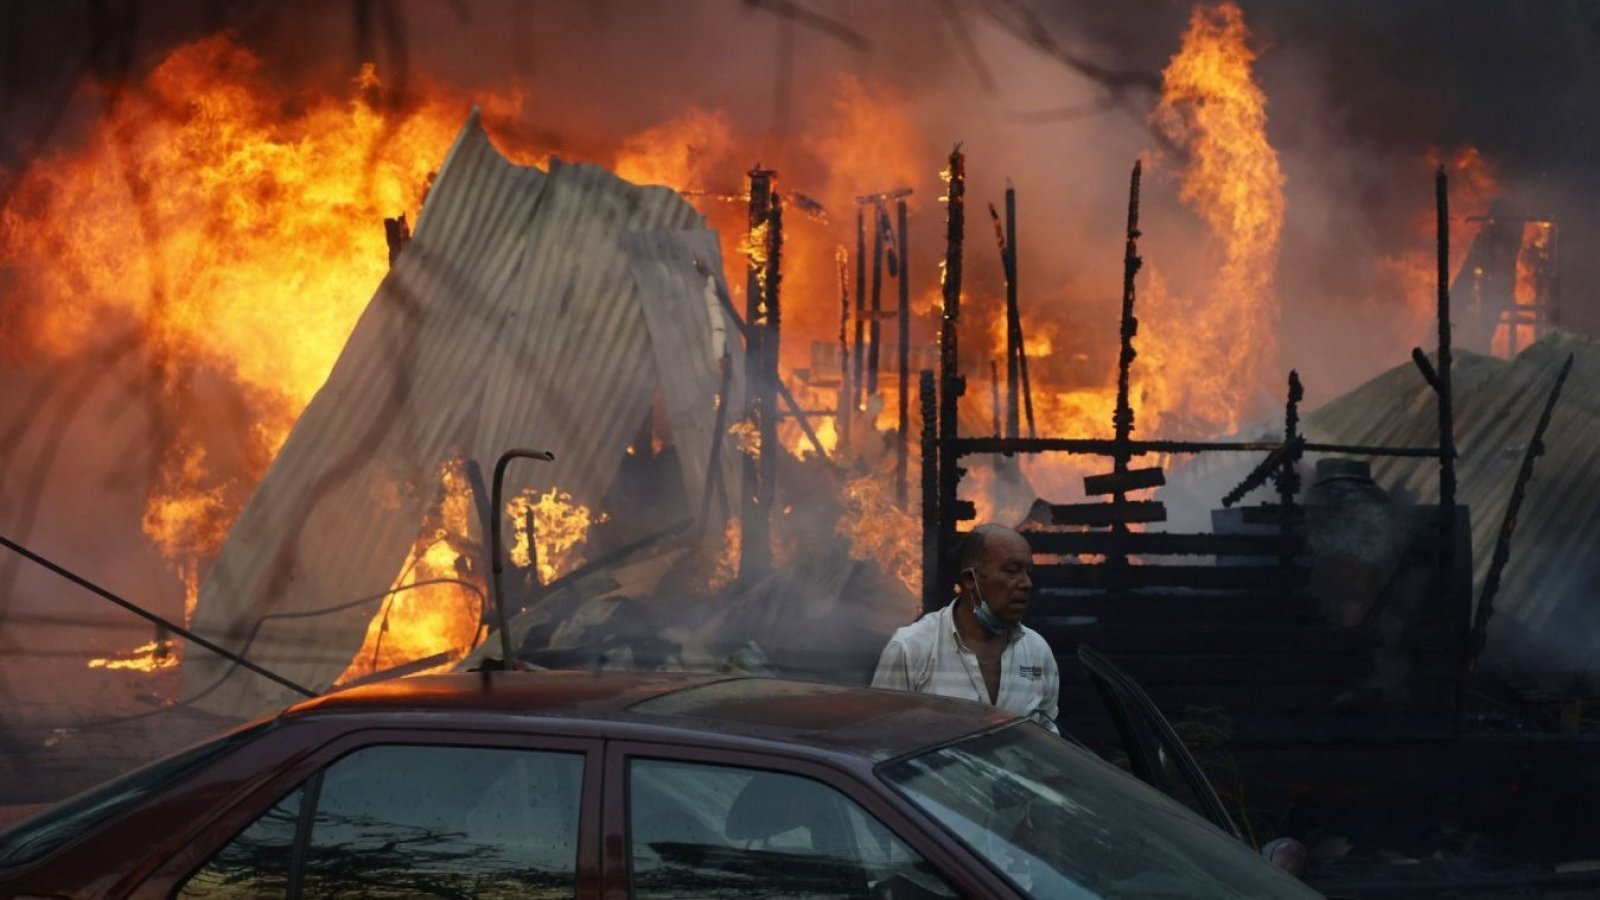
1272,515
1100,515
1114,577
1131,480
1054,610
1119,640
1246,669
1067,543
1175,699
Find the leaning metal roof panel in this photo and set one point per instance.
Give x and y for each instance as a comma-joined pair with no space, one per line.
512,319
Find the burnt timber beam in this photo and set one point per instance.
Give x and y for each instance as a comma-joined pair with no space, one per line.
874,322
1122,482
1263,470
902,444
755,508
1508,525
1447,432
846,398
951,383
1099,515
1107,447
1114,577
1153,543
1122,418
928,402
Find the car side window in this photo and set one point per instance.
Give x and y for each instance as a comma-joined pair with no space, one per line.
256,862
698,830
411,820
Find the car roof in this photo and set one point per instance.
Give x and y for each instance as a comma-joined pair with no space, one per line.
875,724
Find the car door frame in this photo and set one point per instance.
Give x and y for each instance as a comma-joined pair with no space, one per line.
970,876
1120,692
228,822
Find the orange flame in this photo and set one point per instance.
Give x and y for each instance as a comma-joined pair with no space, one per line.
880,530
559,527
1413,276
436,603
1212,359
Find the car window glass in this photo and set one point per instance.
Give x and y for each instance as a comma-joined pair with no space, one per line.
1059,822
699,830
256,862
407,821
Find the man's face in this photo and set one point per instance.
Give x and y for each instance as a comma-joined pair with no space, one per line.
1005,576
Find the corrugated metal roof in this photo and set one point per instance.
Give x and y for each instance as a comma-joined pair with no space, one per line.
1547,613
1548,608
514,318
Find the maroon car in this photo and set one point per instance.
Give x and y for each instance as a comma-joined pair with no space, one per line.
573,784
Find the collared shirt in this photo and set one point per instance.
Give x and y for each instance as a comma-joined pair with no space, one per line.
929,657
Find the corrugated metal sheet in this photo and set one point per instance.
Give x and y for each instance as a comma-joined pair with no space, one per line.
1548,610
512,319
688,352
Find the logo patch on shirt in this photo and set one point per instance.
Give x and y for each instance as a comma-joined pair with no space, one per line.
1033,672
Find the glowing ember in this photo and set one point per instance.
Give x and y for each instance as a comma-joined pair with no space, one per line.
147,658
880,530
726,567
745,438
559,527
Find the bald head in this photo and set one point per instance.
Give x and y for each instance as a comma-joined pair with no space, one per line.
995,563
969,553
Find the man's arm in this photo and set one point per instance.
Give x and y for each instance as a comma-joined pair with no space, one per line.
1050,701
894,667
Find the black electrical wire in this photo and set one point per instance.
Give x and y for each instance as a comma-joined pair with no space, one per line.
256,628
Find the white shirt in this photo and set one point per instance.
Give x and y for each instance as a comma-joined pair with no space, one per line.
929,657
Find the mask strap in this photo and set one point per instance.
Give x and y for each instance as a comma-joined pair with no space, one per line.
980,610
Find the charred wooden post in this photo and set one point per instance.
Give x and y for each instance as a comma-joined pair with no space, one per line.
994,394
859,352
846,395
951,383
770,449
1014,351
761,315
534,578
1122,419
398,235
1288,480
875,324
1447,434
714,462
1508,525
927,401
903,314
1028,386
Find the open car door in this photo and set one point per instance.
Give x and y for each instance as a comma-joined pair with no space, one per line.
1157,755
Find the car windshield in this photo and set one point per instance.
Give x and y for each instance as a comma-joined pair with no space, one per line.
1059,822
51,829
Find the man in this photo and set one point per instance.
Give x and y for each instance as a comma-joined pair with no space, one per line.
977,648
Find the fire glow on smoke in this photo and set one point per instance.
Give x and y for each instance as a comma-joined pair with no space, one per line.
234,227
